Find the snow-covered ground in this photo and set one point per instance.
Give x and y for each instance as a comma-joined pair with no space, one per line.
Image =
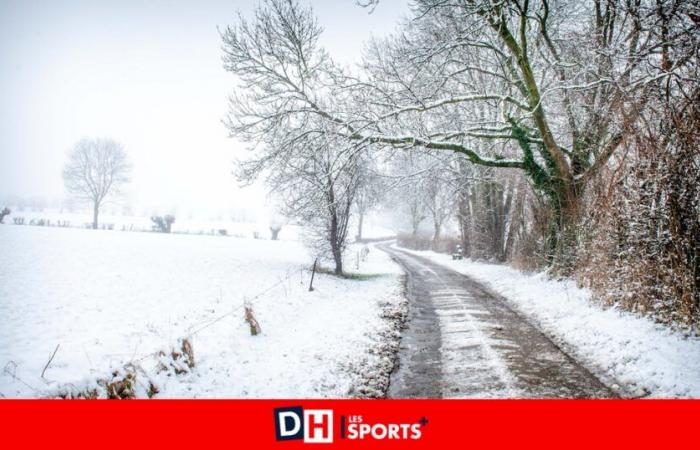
373,228
644,358
108,298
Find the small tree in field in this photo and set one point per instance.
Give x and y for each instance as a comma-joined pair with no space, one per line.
6,211
275,231
276,224
163,224
95,171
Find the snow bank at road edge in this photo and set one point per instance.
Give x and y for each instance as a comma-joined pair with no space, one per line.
635,355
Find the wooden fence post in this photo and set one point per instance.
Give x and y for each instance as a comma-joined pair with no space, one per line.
313,272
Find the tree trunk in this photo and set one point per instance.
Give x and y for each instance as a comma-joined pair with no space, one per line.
334,232
335,246
338,260
563,233
359,225
505,216
436,236
495,213
464,219
415,220
515,220
95,211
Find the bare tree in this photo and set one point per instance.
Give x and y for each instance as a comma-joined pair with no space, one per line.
5,211
275,231
370,191
95,171
281,69
547,88
324,204
277,222
411,204
438,200
415,188
163,224
317,184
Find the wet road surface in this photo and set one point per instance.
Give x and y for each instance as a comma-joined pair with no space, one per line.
465,341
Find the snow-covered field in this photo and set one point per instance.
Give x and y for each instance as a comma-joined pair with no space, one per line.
645,358
108,298
186,225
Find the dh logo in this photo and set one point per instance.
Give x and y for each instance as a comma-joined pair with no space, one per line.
314,426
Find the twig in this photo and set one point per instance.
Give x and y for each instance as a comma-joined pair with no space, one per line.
48,363
88,358
13,374
136,347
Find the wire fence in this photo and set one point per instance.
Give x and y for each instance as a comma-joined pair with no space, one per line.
203,325
10,368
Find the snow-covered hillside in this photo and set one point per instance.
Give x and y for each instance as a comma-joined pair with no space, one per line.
107,298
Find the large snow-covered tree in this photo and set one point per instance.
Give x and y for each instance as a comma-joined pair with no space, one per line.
548,88
96,171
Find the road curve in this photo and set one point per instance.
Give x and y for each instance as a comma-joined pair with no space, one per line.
464,341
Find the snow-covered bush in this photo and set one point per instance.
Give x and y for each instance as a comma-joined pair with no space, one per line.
644,249
163,224
275,231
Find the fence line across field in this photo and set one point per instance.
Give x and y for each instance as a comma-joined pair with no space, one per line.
286,278
236,309
204,325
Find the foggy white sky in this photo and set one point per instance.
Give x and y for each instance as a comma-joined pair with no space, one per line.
148,74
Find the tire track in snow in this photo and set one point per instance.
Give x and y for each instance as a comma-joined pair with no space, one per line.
464,341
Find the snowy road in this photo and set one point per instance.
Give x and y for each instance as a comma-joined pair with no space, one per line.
464,341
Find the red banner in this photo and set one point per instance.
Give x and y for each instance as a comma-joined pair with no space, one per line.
358,424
